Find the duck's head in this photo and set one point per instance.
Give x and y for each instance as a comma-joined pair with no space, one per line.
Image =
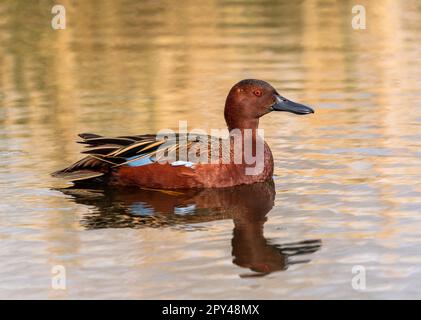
251,99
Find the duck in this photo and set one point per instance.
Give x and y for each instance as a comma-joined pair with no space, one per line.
158,161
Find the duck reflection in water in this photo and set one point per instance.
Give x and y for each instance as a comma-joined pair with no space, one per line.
246,205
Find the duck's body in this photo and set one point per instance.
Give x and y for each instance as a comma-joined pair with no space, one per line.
168,176
139,160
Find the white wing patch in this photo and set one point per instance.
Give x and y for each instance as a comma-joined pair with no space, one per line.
186,164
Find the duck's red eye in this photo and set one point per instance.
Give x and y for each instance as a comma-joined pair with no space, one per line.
257,93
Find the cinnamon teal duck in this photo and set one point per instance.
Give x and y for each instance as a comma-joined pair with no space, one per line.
136,161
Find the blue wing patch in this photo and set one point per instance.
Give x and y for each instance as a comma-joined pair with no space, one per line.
141,162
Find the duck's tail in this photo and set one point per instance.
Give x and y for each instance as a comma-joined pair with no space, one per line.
106,154
92,168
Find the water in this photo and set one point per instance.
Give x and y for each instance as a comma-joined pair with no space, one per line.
347,179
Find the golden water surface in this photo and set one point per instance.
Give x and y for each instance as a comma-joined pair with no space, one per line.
347,179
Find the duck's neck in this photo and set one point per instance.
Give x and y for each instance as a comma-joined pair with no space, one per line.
243,124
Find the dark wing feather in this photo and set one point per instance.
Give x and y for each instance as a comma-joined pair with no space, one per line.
88,135
98,141
102,150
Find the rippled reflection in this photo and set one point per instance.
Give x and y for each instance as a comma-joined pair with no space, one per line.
246,205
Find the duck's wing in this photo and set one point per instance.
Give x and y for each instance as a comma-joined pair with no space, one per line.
105,154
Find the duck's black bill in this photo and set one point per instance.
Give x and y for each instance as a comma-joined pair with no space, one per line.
283,104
